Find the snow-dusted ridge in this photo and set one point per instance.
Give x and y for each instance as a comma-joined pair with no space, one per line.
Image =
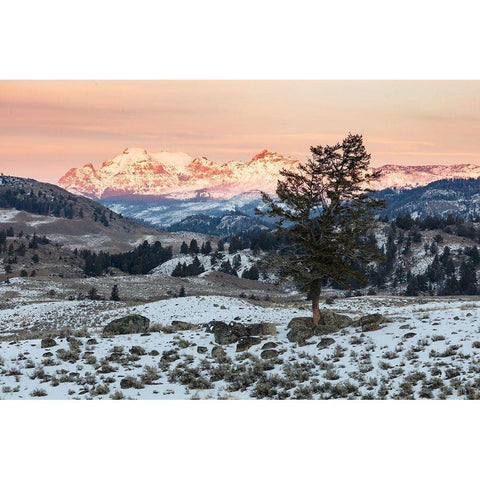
178,175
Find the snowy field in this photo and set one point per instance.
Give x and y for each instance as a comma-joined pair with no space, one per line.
430,349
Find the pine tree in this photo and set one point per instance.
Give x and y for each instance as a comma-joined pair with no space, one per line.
115,295
328,205
194,247
221,245
181,293
184,248
93,294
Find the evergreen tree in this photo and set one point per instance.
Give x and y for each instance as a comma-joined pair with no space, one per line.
181,293
114,295
251,273
184,248
193,247
93,294
327,203
177,271
221,245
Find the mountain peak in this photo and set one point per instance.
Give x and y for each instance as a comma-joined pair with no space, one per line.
138,172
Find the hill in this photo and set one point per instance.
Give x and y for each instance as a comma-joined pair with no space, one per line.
72,220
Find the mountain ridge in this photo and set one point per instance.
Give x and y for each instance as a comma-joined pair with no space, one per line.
176,174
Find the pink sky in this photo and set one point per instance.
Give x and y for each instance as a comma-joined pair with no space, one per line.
47,127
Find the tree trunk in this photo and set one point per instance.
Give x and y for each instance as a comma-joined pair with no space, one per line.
315,294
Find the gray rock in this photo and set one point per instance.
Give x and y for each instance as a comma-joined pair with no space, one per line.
129,324
269,354
325,342
201,349
262,329
218,352
372,321
227,333
246,342
302,328
137,350
47,343
126,383
268,345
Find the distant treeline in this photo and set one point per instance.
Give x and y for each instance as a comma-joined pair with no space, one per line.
140,260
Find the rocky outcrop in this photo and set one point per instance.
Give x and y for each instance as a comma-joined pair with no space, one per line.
129,324
226,333
372,321
303,328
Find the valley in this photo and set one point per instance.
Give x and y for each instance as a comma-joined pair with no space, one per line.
220,325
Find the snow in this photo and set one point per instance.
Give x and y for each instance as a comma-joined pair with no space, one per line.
246,257
430,340
8,215
137,171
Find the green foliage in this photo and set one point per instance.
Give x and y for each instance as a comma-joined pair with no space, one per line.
326,208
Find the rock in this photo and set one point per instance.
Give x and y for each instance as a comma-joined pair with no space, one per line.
129,324
372,322
154,353
405,327
137,350
302,328
325,342
269,354
47,354
332,322
47,343
301,322
201,349
179,325
262,329
409,335
246,342
126,383
268,345
218,352
92,341
227,333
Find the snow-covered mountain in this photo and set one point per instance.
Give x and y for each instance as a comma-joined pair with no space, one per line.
138,172
177,175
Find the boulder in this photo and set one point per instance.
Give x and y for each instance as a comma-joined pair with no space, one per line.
269,354
302,328
127,383
201,349
268,345
372,321
179,325
218,352
246,342
332,322
129,324
227,333
47,343
137,350
262,329
325,342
